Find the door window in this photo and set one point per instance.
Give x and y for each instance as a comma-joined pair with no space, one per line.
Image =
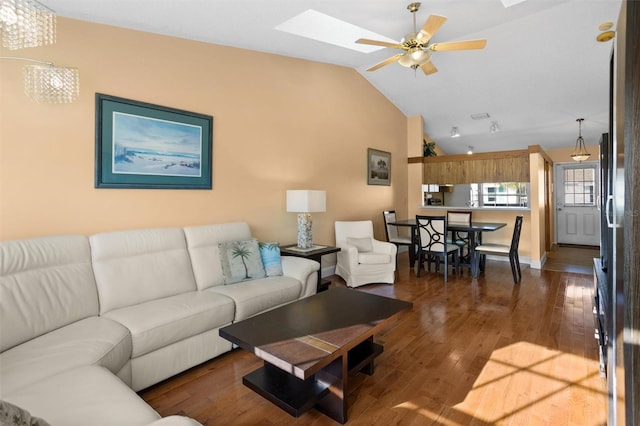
580,187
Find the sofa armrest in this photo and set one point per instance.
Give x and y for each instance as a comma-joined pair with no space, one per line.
304,270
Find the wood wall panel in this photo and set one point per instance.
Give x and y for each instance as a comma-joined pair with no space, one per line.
509,166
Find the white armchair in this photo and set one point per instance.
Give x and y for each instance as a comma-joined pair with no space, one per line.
363,259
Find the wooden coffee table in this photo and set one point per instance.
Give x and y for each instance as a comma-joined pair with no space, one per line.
310,346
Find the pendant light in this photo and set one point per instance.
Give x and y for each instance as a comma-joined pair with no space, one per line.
580,151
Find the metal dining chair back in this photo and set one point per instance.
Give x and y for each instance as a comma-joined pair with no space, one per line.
432,237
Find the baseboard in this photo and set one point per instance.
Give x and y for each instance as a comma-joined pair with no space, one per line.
523,260
327,271
581,246
538,264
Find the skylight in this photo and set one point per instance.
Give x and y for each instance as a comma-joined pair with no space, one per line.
318,26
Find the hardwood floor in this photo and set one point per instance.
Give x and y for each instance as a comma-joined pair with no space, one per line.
577,259
472,352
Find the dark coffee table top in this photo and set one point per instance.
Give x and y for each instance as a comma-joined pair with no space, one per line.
304,336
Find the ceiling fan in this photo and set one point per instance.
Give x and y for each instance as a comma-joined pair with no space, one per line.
416,50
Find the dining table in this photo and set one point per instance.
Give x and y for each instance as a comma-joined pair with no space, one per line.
475,230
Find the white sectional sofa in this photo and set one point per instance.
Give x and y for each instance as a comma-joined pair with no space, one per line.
85,322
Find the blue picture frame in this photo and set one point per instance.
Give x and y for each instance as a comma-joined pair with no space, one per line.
142,145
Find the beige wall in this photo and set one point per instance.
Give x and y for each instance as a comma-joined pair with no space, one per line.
279,123
563,155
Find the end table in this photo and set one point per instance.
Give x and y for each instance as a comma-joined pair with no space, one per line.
315,254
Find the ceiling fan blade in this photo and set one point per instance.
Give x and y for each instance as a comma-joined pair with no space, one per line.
379,43
386,62
458,45
429,68
433,24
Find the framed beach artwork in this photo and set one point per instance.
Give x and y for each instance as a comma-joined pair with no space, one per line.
141,145
378,167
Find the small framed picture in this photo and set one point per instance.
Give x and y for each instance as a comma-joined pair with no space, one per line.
141,145
378,167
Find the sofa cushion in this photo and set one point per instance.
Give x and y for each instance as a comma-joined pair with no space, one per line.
271,258
133,267
203,241
84,396
161,322
373,258
253,297
91,341
45,283
241,261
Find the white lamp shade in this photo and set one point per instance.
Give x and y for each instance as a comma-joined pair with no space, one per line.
306,201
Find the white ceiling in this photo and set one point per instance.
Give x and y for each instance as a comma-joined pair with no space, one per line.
541,70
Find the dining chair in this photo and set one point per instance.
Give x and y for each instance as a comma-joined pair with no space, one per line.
459,238
432,236
504,250
394,237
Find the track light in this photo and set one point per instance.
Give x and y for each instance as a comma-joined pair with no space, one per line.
494,128
455,133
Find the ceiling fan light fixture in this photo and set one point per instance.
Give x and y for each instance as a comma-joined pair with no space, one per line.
416,50
580,151
419,56
406,60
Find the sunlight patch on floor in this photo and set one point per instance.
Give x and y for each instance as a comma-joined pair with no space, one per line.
528,382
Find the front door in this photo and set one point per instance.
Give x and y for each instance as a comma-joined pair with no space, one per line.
577,214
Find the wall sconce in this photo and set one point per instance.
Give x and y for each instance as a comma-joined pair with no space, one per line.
26,23
580,151
48,83
305,202
455,133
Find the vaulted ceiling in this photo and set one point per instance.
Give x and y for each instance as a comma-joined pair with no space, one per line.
542,67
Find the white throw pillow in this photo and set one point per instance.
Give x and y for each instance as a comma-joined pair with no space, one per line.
363,245
11,415
241,261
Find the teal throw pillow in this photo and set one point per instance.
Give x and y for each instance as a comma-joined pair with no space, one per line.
240,261
270,253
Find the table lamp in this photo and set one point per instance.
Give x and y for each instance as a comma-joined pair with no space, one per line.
304,202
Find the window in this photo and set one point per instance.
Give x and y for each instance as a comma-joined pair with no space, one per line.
580,187
500,194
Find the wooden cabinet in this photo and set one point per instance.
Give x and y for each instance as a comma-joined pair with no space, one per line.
502,166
